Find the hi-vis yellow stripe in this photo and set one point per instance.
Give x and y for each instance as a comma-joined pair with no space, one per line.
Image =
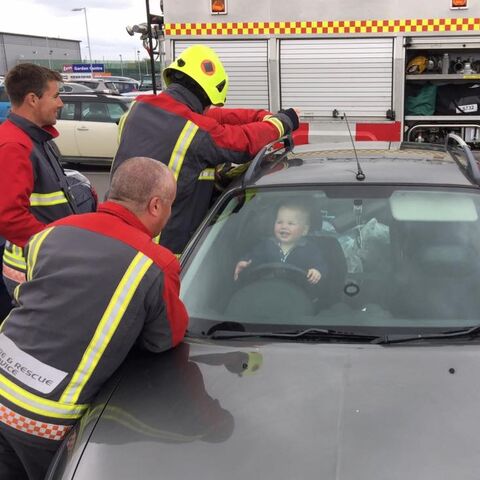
36,404
277,123
15,258
134,424
121,122
107,326
47,199
33,248
183,142
207,174
325,27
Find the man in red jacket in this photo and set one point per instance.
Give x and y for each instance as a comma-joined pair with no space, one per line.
178,128
96,285
34,188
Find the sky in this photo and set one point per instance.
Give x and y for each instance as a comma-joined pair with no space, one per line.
106,19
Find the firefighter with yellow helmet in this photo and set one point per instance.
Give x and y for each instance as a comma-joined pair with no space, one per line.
178,128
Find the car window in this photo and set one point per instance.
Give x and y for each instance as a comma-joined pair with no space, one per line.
65,89
95,112
387,260
125,87
68,111
115,111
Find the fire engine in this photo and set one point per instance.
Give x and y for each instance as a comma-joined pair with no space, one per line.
397,70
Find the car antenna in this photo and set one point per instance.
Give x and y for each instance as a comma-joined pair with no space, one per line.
360,176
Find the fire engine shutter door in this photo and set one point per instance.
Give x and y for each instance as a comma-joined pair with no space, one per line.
247,67
351,75
443,43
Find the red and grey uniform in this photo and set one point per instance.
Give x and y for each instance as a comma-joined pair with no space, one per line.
96,284
32,186
170,127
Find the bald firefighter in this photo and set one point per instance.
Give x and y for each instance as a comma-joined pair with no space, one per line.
96,285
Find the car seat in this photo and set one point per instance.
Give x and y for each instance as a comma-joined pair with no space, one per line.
438,279
330,288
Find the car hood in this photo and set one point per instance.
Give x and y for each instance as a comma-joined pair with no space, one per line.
292,411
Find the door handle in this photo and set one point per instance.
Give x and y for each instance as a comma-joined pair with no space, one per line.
82,129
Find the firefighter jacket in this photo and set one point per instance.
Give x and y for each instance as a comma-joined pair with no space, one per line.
96,284
171,127
33,186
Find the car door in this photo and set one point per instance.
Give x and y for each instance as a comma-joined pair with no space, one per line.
66,126
97,129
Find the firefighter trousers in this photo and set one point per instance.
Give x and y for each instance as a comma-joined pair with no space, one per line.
24,460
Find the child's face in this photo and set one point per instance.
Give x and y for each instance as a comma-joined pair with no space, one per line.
290,225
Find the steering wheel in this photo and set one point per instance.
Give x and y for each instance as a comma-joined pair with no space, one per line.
274,270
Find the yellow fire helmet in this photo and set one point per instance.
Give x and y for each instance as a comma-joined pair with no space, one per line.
202,64
417,65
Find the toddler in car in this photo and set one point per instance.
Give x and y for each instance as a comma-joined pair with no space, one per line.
288,244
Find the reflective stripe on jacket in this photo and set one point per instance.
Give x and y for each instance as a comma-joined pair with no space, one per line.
96,284
171,128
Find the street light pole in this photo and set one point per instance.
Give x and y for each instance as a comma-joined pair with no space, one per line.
88,37
139,68
121,63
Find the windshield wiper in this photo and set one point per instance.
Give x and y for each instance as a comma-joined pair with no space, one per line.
225,327
465,332
309,334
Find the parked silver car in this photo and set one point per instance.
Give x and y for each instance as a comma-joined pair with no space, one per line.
72,87
369,374
100,85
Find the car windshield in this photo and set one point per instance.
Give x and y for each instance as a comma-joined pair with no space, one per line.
389,259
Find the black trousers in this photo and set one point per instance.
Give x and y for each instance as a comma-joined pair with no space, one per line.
24,459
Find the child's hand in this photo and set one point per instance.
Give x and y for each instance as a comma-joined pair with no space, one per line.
313,276
240,266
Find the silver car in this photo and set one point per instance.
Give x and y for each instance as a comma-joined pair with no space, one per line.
72,87
369,373
100,85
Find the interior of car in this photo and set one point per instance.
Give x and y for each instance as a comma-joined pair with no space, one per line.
386,262
95,112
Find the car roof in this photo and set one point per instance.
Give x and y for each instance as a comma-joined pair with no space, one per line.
119,79
98,81
101,97
81,88
380,166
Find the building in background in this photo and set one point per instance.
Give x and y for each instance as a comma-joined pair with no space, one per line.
60,54
48,51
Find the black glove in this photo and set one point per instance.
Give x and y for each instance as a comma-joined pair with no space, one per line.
289,119
292,115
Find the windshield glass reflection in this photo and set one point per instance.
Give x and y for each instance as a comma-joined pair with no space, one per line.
366,256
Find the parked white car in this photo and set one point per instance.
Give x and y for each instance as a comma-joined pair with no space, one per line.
88,126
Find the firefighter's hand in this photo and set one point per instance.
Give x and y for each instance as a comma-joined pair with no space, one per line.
291,117
240,266
313,276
